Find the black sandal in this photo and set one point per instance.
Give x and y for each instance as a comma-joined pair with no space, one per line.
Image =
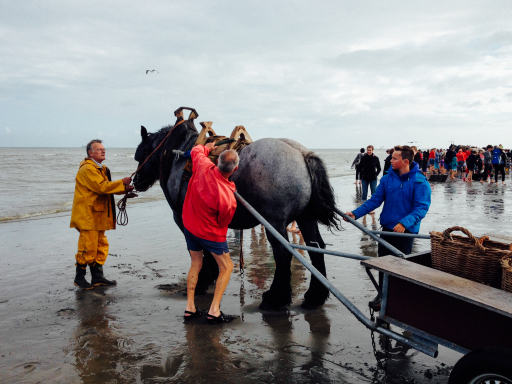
220,319
194,315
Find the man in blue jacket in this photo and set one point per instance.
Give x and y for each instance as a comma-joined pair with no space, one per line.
405,193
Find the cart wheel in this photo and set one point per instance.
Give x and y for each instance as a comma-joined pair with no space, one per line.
487,365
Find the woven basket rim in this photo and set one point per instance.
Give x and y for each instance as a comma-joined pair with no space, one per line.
466,242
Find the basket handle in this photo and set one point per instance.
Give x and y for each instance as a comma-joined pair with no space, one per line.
477,242
509,256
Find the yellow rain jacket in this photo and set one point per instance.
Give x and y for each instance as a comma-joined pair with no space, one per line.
93,204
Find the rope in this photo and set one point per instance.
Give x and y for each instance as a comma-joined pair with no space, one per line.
159,145
122,216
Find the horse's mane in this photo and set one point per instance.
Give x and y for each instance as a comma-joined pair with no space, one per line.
176,139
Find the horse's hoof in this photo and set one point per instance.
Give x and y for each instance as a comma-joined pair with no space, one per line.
266,306
315,298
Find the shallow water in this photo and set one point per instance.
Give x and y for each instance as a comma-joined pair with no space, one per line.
40,181
134,332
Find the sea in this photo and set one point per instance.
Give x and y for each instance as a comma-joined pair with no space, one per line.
40,181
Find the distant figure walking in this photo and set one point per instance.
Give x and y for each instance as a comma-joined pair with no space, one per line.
461,162
448,162
499,160
370,169
357,165
471,164
488,163
417,156
424,162
387,161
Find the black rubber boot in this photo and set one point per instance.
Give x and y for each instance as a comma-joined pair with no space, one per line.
80,281
97,276
376,302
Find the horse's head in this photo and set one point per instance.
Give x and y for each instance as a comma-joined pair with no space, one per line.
148,174
170,137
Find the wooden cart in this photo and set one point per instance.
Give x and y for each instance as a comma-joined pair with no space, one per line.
440,308
436,307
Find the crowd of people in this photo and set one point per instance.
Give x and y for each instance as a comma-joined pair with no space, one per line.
466,162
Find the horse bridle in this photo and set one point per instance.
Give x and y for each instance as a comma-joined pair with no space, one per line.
156,149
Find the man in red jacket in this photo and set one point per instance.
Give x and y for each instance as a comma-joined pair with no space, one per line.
208,209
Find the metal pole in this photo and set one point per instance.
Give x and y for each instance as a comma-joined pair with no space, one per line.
415,235
334,253
347,303
393,250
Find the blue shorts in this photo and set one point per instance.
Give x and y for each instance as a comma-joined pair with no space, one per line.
436,164
195,243
431,161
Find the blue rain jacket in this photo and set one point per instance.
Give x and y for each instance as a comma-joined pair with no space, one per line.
406,199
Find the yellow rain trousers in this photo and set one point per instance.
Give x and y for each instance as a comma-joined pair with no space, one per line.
92,247
93,210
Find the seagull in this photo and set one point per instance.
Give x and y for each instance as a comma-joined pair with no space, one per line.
151,70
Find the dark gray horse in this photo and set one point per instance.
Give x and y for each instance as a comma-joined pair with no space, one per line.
280,178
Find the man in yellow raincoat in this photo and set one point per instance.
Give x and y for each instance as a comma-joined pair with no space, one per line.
93,213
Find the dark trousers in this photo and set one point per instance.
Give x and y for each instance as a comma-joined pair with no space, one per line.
365,184
499,168
358,172
403,244
487,171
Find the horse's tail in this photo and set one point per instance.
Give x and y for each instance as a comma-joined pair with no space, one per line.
322,205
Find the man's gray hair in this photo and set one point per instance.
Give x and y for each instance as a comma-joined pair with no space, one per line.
90,143
228,161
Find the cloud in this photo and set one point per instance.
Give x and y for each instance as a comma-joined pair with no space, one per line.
301,70
7,130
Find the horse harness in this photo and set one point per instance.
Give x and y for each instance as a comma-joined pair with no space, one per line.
238,140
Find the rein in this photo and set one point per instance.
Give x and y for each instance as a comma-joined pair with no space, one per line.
159,145
122,216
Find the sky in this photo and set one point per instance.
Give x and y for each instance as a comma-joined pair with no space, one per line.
328,74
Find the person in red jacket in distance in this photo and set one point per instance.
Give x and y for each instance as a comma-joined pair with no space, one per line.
208,209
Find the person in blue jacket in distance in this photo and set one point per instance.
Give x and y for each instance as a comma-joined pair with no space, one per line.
406,195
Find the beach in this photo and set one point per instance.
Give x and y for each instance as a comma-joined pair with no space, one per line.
51,332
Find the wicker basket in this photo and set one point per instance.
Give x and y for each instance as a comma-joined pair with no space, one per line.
506,281
468,257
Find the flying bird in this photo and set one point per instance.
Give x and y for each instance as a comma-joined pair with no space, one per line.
151,70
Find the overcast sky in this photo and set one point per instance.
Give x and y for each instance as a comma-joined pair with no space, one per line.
329,74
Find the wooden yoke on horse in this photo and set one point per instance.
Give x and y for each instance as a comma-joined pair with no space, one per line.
238,140
179,114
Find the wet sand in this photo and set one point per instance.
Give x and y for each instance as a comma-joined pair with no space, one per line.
51,332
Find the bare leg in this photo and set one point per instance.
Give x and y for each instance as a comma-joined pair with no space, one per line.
293,227
196,264
225,269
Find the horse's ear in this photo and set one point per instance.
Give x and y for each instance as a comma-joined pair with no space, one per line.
143,132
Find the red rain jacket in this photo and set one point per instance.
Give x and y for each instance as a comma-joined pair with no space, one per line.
209,203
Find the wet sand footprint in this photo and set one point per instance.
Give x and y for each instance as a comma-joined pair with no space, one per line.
27,367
